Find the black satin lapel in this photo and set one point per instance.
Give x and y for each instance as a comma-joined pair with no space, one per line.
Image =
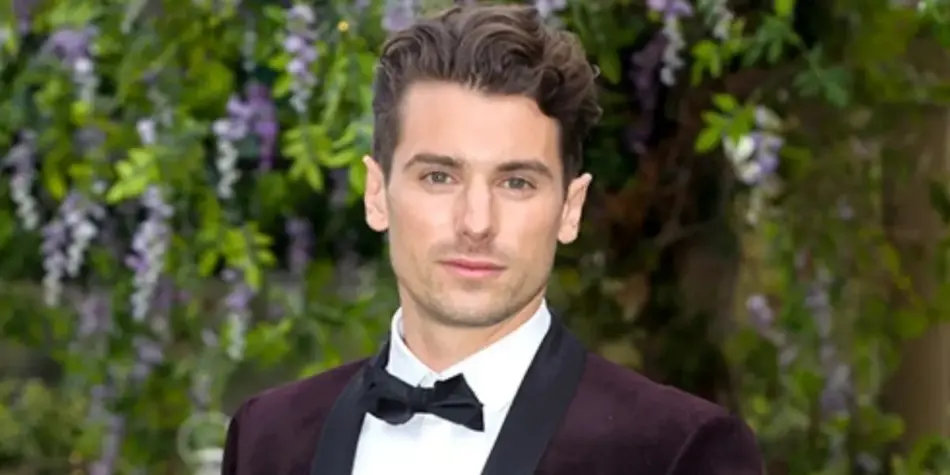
539,405
336,450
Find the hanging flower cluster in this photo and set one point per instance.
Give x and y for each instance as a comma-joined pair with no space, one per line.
238,307
399,14
838,388
153,236
672,12
149,246
23,12
82,229
299,44
55,238
66,238
719,17
255,117
228,132
22,160
74,49
755,158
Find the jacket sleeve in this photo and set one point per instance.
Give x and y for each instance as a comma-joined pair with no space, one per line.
723,445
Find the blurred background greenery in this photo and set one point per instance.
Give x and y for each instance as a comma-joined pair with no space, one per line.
181,224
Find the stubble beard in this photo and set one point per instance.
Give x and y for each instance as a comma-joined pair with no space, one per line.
441,307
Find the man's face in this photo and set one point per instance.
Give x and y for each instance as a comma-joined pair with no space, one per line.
474,205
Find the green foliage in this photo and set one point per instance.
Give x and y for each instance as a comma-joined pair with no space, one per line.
236,308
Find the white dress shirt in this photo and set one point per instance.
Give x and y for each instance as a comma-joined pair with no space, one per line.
430,445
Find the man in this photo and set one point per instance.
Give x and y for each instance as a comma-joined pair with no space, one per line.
480,115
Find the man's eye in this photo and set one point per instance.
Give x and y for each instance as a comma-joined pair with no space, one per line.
437,178
518,184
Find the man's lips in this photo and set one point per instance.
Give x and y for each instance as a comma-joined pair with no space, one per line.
472,267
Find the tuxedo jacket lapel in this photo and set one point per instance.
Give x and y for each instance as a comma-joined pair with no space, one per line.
540,404
336,449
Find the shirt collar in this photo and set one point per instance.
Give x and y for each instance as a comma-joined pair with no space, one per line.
494,373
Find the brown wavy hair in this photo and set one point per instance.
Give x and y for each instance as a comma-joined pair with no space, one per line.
496,49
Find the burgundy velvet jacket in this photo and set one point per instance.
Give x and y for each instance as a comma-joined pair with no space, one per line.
575,414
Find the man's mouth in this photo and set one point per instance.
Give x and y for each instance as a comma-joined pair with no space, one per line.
472,268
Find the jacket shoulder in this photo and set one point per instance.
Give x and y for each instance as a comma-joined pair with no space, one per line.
619,408
297,402
276,431
618,386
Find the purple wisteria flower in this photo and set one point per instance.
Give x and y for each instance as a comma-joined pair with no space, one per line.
760,312
645,65
548,8
838,389
111,446
148,355
756,155
94,313
83,229
237,305
147,130
228,131
74,49
765,159
299,44
149,246
762,319
719,17
95,323
264,125
23,12
55,238
66,238
672,11
255,117
301,245
399,14
22,160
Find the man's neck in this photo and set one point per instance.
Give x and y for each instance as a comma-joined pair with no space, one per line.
440,347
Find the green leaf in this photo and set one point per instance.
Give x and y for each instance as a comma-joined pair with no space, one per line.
706,58
80,112
725,102
835,82
306,146
708,139
357,178
348,137
609,64
339,160
784,8
208,262
55,182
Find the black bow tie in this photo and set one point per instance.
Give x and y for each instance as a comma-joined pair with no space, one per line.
392,400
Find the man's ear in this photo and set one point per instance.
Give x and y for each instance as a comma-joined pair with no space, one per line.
573,208
374,198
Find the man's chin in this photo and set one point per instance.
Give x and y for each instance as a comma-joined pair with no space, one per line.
467,310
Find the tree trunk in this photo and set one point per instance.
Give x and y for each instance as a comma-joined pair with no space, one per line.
920,389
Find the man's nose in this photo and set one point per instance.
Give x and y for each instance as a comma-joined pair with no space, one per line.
476,211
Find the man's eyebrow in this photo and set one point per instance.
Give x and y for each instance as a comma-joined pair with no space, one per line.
511,166
433,159
530,165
